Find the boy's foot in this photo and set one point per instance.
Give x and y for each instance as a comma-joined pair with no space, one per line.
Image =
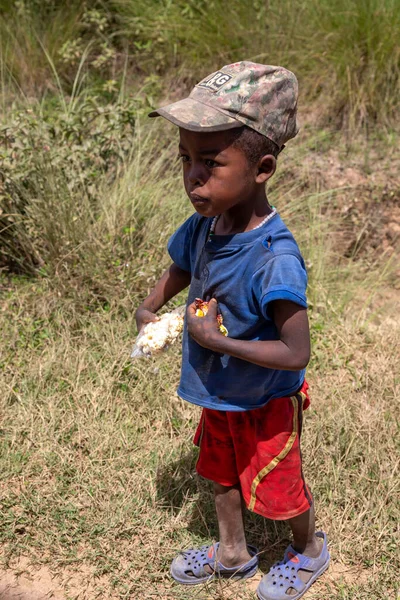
292,577
198,565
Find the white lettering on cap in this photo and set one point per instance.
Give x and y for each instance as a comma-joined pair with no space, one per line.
216,81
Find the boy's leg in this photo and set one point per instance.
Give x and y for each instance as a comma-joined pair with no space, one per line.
272,484
232,541
230,557
217,463
232,548
303,529
305,541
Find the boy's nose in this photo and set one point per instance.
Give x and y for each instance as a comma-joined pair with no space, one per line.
195,175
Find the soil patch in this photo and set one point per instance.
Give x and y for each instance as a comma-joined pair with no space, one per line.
26,581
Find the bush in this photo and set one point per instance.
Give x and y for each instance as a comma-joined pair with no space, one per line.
51,168
41,39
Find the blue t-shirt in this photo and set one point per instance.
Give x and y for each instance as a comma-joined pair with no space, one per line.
245,272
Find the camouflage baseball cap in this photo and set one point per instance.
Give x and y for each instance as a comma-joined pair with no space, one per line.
262,97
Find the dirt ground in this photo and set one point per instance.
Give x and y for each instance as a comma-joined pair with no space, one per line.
31,582
26,582
366,187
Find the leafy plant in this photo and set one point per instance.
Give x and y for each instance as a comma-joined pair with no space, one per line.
51,165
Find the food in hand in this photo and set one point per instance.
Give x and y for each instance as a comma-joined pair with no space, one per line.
157,336
202,310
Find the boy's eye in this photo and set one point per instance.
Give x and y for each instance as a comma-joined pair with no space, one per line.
210,163
184,158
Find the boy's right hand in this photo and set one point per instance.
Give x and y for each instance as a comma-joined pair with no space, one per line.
173,281
144,316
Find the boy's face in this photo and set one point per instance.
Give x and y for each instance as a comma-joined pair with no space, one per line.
217,175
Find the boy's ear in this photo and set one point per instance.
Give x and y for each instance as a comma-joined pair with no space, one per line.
266,168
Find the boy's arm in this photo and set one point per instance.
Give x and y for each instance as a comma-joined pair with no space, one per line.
173,281
291,352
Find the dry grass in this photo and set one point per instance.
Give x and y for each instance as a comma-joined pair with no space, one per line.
97,470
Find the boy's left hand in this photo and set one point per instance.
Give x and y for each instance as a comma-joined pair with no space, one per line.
204,330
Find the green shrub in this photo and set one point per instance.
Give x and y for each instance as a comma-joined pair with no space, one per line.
38,39
51,168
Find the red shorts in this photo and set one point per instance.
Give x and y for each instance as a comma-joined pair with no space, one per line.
260,450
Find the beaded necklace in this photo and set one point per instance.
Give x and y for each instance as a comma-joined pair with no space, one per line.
215,220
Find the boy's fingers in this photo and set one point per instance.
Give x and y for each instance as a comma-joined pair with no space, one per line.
191,309
211,313
212,308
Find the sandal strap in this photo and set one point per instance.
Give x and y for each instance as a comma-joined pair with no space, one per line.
188,566
221,570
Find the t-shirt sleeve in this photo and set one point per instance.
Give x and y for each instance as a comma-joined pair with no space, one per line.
283,277
179,244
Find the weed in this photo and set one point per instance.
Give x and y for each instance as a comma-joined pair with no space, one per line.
49,174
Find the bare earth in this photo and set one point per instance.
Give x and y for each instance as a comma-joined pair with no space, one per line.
29,582
26,582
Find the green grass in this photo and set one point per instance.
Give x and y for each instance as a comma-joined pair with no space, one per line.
97,466
345,53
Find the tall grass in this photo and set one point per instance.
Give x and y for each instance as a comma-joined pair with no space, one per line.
345,53
30,34
355,46
61,210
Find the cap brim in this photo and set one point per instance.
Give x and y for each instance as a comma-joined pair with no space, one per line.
196,116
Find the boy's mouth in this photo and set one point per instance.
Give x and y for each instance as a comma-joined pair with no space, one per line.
198,200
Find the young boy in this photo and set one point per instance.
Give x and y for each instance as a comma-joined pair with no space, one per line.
236,252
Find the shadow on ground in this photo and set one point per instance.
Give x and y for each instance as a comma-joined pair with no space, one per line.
180,488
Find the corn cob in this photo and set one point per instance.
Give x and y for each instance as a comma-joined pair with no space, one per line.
202,310
158,335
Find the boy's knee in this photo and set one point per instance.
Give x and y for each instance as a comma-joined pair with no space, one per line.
225,489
